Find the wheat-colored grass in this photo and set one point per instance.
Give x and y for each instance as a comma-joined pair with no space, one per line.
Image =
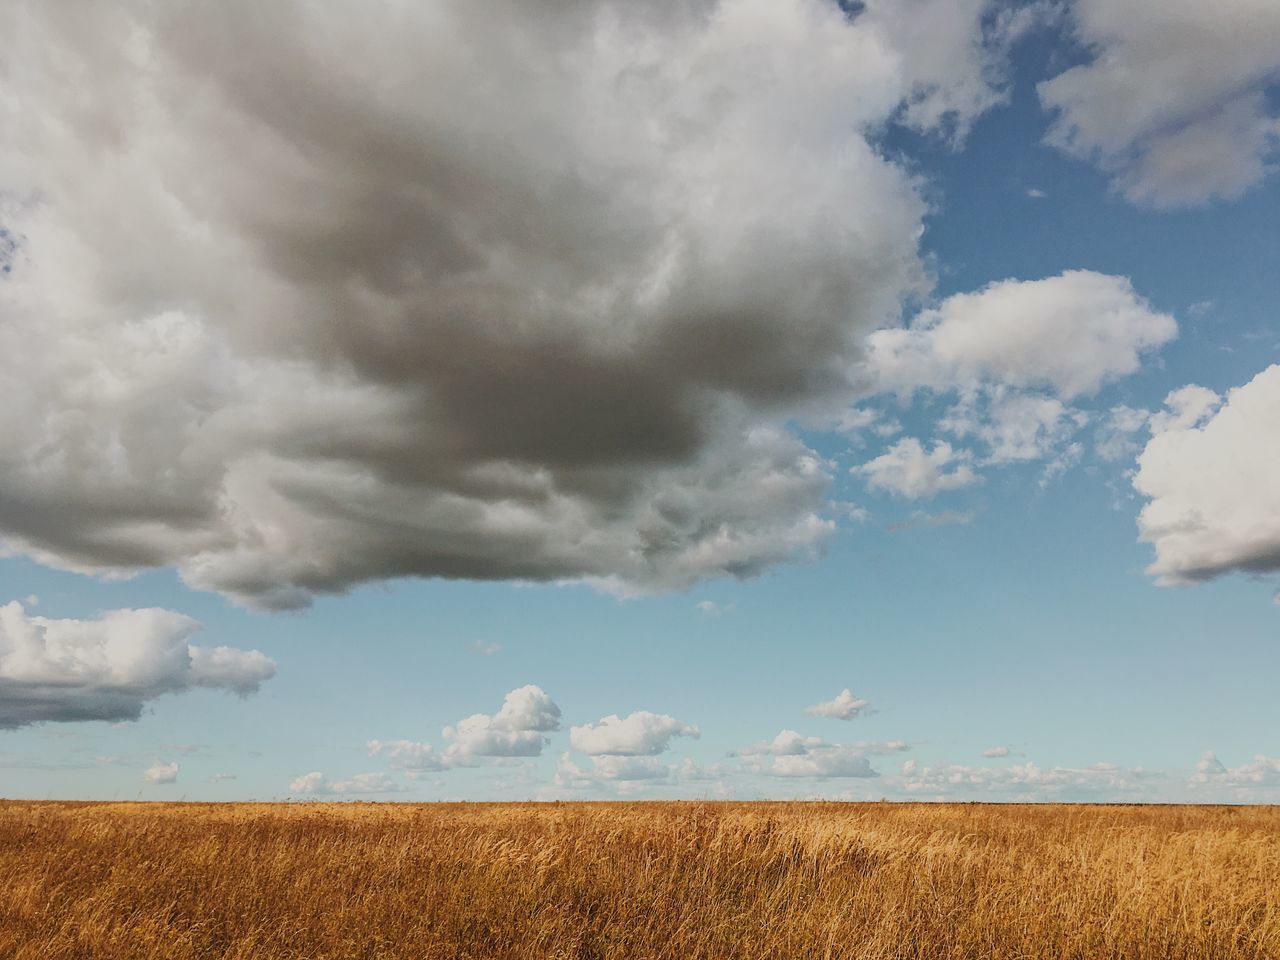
669,880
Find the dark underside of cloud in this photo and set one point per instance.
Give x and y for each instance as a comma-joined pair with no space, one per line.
531,300
301,296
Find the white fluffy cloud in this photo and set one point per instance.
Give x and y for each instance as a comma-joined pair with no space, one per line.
953,55
640,734
843,706
1070,333
517,730
317,784
622,774
1173,102
515,294
793,755
1211,472
823,764
408,755
108,668
908,470
786,743
161,772
1262,772
1014,354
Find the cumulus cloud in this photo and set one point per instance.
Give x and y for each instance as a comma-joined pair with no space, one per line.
627,775
1208,767
515,294
517,730
1070,333
1211,473
108,668
908,470
843,706
640,734
1262,772
1185,408
954,55
786,743
794,755
317,784
1015,355
1173,102
161,772
408,755
1013,426
822,764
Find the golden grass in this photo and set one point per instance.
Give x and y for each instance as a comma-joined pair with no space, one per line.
670,880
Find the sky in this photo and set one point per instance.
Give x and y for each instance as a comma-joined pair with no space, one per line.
729,399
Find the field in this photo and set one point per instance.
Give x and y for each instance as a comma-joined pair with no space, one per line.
678,880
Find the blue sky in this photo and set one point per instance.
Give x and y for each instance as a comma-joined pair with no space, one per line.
935,515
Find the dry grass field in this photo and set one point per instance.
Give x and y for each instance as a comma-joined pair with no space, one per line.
679,880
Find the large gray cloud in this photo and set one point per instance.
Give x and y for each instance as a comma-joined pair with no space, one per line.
305,295
110,667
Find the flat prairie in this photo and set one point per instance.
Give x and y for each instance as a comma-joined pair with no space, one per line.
661,880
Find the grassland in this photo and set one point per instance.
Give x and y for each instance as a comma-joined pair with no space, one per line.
689,880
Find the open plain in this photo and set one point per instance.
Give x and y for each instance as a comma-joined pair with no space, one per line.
644,880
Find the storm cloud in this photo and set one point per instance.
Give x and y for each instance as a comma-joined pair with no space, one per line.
305,295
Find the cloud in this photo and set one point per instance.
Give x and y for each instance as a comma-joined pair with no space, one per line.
416,758
908,470
818,761
996,752
1114,439
640,734
610,767
537,311
1025,781
1262,772
794,755
1173,101
833,762
1211,473
1014,355
1185,408
844,706
317,784
108,668
954,55
1027,427
623,775
517,730
487,649
1208,767
161,772
786,743
1070,333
